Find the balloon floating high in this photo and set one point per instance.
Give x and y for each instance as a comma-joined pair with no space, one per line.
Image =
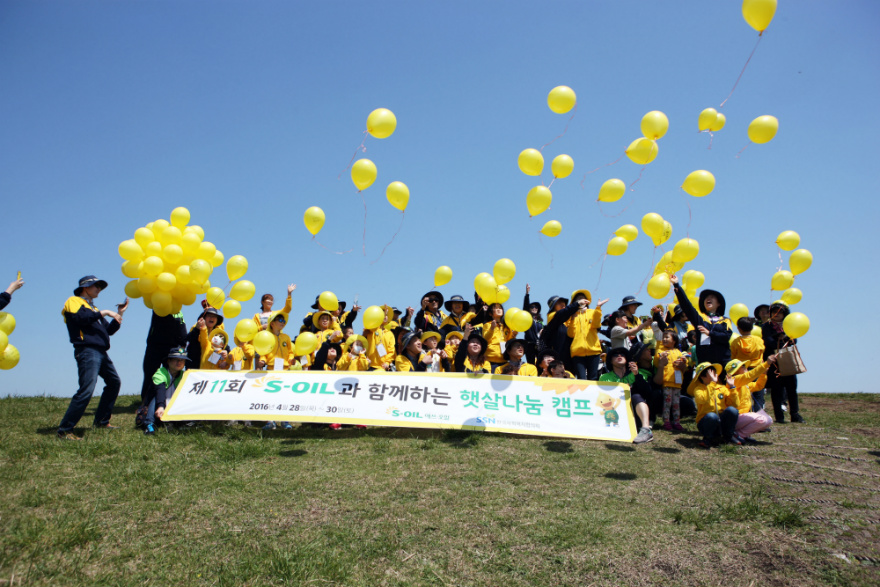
800,261
627,231
699,183
642,151
314,220
612,190
538,200
788,240
759,13
763,129
616,246
654,125
551,228
503,271
381,123
531,162
363,174
398,195
442,275
561,99
562,166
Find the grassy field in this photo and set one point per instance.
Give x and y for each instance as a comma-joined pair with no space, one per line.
235,506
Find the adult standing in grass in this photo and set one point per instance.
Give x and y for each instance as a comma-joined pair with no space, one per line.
90,334
6,296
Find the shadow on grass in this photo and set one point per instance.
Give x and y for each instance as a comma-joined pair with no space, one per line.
462,438
558,446
619,447
688,442
670,450
293,453
620,476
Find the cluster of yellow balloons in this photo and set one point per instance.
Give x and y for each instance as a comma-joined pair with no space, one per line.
8,353
759,13
169,264
657,228
518,320
644,149
799,261
491,288
710,120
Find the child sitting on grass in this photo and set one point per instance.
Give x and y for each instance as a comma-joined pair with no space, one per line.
165,381
716,418
742,386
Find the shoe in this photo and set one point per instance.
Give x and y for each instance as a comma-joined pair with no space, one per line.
797,418
704,444
748,440
269,426
287,425
667,425
678,427
734,440
150,430
67,436
335,426
247,423
644,435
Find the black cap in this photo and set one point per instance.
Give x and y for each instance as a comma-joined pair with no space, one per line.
510,343
88,281
436,294
636,350
613,353
178,353
628,301
215,312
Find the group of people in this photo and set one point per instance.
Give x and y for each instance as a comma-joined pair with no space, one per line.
677,361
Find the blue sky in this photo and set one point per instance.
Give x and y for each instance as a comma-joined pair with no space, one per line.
114,113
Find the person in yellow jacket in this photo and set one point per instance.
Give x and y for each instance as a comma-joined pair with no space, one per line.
496,332
411,357
283,347
742,385
670,360
515,354
431,346
354,355
749,348
266,303
213,347
715,417
381,348
583,329
241,358
471,355
458,315
451,342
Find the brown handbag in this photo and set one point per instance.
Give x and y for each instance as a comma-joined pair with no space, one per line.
789,361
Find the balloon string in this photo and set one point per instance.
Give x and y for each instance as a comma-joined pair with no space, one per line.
541,240
361,148
601,270
565,130
551,183
402,214
711,138
743,149
364,241
760,36
650,272
599,258
638,178
781,262
602,212
332,251
687,231
600,167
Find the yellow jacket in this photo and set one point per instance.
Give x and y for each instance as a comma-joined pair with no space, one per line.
374,339
669,371
207,347
583,328
346,363
244,353
258,317
525,370
457,323
403,363
748,349
740,396
495,335
283,350
710,398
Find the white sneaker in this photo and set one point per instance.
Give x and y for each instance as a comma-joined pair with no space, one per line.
644,435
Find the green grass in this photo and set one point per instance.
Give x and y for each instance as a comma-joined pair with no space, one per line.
236,506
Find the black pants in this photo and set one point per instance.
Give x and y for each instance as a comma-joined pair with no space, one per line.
153,358
780,387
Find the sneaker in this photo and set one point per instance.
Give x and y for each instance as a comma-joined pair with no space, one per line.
644,435
335,426
140,416
150,430
269,426
735,440
287,425
748,440
667,425
678,427
67,436
797,418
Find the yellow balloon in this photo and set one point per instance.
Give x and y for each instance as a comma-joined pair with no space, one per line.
551,228
685,250
159,225
796,325
538,200
314,220
170,236
800,261
658,286
172,254
246,329
503,271
328,301
305,343
132,290
231,309
791,296
265,341
374,316
617,246
215,297
652,224
200,270
763,129
699,183
442,275
502,294
654,125
236,267
179,217
189,242
612,190
363,173
788,240
7,322
642,151
242,290
206,251
562,166
781,280
154,249
381,123
707,119
509,317
144,236
9,358
196,229
522,321
133,269
147,285
148,302
627,231
166,281
738,311
478,279
182,275
130,250
665,264
664,234
759,13
217,259
199,288
398,195
693,280
561,99
486,287
162,303
4,341
153,266
531,162
719,123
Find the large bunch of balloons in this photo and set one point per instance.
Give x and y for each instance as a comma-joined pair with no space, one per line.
8,353
170,264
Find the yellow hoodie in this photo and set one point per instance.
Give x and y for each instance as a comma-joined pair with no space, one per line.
244,352
710,398
208,348
740,396
583,328
495,335
377,337
669,371
346,363
748,349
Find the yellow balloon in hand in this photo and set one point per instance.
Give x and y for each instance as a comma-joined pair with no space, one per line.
215,297
442,275
363,173
4,341
617,246
627,231
503,271
314,220
800,261
658,286
398,195
538,200
788,240
796,325
642,151
551,228
781,280
265,341
502,294
562,166
381,123
791,296
246,329
231,309
759,13
654,125
561,99
242,290
612,190
200,270
304,344
328,301
763,129
699,183
236,267
530,162
692,280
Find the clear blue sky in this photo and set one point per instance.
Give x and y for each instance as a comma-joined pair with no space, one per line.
114,113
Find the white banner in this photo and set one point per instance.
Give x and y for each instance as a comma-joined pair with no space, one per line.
538,406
